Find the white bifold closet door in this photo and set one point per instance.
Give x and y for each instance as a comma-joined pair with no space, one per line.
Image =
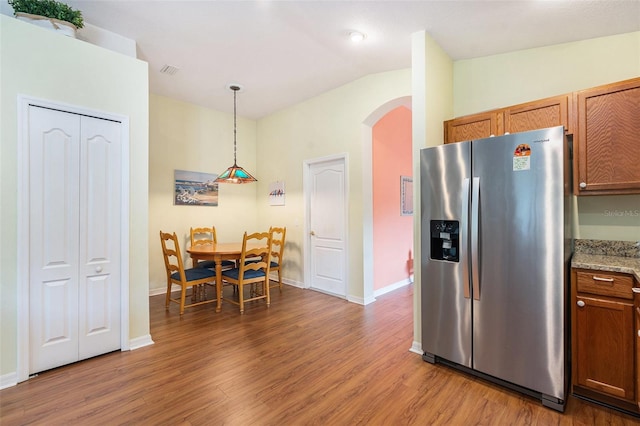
74,237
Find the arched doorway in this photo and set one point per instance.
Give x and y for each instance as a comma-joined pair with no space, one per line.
367,191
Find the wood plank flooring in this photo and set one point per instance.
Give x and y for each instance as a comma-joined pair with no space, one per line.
310,359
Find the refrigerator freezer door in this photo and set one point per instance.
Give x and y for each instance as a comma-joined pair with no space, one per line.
519,318
446,303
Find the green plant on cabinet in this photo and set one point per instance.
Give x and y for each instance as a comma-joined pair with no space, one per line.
49,9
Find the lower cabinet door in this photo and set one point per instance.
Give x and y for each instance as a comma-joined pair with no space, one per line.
636,308
605,347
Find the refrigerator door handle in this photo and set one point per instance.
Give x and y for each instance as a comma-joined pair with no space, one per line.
463,240
475,272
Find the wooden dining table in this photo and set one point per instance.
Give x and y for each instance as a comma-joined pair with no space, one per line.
218,252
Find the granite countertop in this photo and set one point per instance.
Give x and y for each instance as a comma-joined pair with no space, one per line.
612,256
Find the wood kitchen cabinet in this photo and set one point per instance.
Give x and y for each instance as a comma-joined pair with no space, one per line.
607,142
540,114
603,121
636,309
603,335
476,126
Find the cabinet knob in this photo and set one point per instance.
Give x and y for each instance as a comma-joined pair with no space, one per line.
98,269
583,185
580,303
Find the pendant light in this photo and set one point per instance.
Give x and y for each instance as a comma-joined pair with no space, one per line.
235,173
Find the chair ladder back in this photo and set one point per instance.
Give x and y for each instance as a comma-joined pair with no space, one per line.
255,256
278,236
203,236
172,252
262,251
176,274
277,243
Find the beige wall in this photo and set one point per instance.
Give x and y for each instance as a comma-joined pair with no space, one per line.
325,125
184,136
511,78
432,101
41,64
501,80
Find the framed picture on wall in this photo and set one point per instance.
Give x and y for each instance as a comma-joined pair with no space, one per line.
276,193
195,189
406,195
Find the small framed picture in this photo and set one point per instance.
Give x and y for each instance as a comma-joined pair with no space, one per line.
406,196
276,193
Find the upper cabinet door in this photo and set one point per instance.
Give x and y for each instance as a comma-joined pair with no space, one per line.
470,127
608,142
540,114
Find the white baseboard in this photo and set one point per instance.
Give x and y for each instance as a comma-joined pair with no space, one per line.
8,380
157,291
163,290
379,292
369,300
140,342
298,284
358,300
290,282
416,347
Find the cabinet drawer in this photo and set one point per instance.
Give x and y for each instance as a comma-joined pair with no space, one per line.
605,284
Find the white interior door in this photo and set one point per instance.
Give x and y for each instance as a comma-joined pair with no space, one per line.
74,237
327,218
54,140
100,199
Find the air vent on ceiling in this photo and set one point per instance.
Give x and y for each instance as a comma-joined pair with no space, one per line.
169,69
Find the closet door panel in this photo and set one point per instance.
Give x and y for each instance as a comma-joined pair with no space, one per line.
53,237
100,221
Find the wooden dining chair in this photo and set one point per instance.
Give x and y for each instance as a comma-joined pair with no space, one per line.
207,236
251,273
177,274
277,250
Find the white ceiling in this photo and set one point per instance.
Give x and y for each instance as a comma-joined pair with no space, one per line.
284,52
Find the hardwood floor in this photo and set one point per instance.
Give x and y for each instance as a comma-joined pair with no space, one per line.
310,359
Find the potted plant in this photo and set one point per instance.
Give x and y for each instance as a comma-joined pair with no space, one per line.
49,14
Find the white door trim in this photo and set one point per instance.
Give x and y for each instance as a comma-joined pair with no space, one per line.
22,290
306,182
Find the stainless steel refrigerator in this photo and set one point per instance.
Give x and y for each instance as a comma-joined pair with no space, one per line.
496,246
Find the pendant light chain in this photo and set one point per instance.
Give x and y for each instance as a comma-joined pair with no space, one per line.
235,173
235,122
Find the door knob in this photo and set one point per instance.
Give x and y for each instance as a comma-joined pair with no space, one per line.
98,268
312,233
580,303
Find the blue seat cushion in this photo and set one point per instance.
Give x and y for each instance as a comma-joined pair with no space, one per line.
193,274
273,264
235,273
212,264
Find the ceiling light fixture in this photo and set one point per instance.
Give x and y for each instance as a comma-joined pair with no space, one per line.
235,173
356,36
